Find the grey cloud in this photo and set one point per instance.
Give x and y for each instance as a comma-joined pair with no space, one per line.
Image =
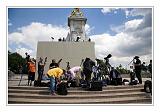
143,33
147,22
140,11
139,48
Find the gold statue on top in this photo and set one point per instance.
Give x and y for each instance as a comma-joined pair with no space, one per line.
76,12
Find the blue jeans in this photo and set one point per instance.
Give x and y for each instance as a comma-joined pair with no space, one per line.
52,84
40,73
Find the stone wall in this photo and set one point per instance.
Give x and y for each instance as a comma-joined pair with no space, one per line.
72,52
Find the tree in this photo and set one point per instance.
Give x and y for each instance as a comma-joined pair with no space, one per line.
122,70
14,61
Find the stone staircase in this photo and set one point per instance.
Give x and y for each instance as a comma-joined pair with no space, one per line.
109,95
123,94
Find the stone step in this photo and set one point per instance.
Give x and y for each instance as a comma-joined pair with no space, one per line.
110,95
79,96
122,100
122,94
77,88
46,92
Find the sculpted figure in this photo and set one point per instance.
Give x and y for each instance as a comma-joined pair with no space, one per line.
76,12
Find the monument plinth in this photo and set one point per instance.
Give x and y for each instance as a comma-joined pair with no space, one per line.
72,52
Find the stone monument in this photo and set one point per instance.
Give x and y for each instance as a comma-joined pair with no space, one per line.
74,49
76,22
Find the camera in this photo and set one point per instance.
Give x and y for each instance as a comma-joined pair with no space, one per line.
109,56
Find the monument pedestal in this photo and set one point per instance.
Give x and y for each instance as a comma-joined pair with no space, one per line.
72,52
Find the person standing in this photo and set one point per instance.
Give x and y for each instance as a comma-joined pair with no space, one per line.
54,75
54,64
137,67
32,70
150,67
87,69
41,69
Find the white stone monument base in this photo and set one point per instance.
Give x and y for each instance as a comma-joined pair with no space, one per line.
72,52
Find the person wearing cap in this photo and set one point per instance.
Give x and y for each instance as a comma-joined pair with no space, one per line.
54,75
137,68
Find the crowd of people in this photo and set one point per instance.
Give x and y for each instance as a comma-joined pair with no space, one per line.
86,72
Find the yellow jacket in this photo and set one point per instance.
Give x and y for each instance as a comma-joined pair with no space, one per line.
55,72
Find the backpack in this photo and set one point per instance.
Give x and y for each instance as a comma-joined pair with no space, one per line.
62,88
95,86
148,86
36,83
134,82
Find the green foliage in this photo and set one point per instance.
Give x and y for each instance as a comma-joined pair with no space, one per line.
122,70
14,61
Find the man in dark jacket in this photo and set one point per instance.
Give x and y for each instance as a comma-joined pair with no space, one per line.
137,67
87,69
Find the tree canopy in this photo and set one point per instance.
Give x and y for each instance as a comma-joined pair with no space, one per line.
15,60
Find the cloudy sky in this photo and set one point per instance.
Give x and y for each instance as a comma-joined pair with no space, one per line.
123,32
